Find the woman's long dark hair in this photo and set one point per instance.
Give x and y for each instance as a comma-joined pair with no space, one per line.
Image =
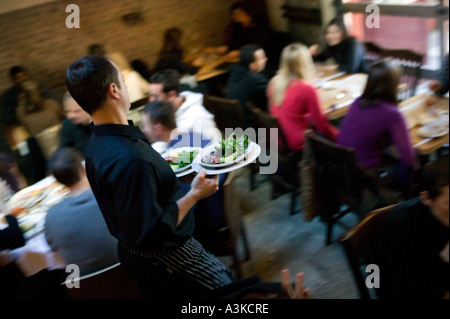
382,84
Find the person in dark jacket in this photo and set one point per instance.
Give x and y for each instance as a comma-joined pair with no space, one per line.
412,249
246,82
440,86
173,56
75,131
347,52
11,278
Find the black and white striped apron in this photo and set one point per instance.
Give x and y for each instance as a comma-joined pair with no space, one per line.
192,261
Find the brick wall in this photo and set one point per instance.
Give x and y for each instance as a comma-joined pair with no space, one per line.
38,39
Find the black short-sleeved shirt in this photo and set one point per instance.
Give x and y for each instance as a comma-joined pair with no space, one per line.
135,188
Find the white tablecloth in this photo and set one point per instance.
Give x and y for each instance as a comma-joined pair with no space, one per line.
36,255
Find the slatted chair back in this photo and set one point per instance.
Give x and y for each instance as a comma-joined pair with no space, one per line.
228,114
358,245
411,63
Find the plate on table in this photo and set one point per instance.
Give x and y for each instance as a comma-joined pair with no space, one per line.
32,223
252,154
434,129
30,205
180,159
329,85
225,153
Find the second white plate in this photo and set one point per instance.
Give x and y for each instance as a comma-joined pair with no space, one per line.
253,152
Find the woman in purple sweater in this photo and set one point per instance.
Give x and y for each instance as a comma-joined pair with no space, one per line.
374,123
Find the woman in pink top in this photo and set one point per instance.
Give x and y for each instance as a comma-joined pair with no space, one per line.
294,101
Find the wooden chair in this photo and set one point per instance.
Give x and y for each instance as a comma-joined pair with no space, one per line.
287,159
228,114
341,182
373,52
358,243
113,282
410,62
235,228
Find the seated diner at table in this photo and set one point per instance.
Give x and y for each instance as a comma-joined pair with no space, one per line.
374,123
346,51
173,56
11,237
412,250
242,29
294,101
75,227
75,131
190,113
158,125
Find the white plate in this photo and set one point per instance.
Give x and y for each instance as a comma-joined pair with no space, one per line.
253,152
211,148
177,150
329,85
186,172
32,223
428,131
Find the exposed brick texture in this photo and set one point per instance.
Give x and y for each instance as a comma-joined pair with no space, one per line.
38,39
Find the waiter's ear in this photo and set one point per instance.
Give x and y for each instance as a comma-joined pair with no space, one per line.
114,90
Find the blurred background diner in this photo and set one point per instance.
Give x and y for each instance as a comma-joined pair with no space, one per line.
369,92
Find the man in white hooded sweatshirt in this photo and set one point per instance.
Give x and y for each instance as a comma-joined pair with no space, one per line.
190,114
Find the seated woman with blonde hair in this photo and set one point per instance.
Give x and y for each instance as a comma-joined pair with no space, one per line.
294,101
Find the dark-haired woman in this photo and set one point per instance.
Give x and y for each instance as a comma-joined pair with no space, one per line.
172,55
374,123
346,51
245,29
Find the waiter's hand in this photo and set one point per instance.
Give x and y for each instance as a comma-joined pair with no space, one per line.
203,186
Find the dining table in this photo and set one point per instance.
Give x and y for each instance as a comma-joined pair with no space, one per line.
30,206
215,65
425,111
338,91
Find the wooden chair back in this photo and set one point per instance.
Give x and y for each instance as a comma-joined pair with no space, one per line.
285,156
358,243
228,114
411,63
341,182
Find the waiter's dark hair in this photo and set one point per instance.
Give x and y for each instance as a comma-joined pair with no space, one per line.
161,112
87,80
65,164
382,84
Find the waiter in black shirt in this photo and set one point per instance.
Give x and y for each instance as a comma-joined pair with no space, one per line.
138,193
